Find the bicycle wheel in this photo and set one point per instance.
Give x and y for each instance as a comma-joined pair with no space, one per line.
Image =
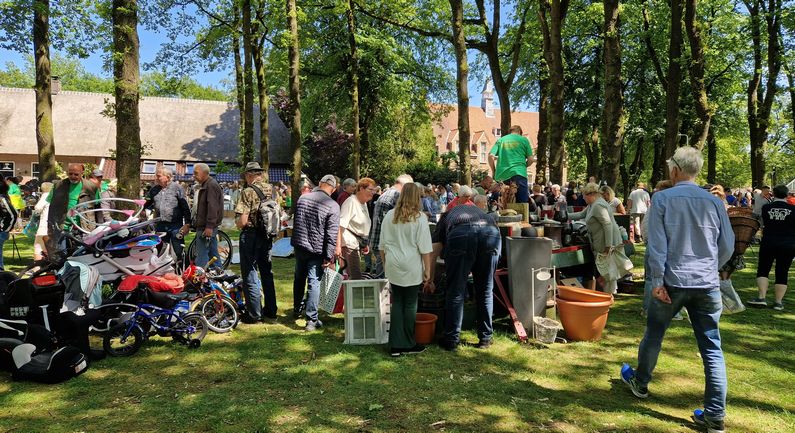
221,313
115,344
225,249
193,326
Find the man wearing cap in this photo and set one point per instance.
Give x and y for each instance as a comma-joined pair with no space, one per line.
168,200
209,214
315,226
103,194
255,247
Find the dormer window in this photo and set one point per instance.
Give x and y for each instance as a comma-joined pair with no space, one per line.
497,132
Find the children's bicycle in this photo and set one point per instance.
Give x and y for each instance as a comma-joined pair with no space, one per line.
127,337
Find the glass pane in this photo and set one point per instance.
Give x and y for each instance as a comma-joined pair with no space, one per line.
358,328
358,298
369,297
369,328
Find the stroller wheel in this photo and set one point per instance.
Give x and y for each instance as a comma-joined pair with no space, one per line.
194,343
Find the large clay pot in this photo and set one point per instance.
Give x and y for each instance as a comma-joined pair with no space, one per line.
576,294
583,321
425,328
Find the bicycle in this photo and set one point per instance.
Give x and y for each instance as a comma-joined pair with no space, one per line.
225,249
126,338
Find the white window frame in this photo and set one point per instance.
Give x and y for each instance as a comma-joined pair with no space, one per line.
498,132
34,172
189,167
172,165
483,152
145,167
13,169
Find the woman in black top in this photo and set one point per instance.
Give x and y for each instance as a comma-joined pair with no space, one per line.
778,243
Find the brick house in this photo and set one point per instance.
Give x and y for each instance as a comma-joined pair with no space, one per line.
177,133
484,126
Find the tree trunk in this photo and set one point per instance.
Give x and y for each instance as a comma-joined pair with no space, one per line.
543,131
674,80
712,156
613,119
354,75
697,68
45,139
555,10
126,74
293,56
264,107
791,88
592,166
247,145
239,85
462,81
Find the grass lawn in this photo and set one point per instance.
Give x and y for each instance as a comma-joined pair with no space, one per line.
275,377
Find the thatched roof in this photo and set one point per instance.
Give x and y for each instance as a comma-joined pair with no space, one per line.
173,129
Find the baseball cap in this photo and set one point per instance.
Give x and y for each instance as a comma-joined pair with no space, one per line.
329,179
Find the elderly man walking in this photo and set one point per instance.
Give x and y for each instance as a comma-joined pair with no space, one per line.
209,214
689,238
315,226
167,199
638,203
256,243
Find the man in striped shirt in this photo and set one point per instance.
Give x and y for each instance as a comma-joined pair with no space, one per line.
384,204
315,226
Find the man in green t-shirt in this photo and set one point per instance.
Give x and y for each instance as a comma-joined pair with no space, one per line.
513,155
67,194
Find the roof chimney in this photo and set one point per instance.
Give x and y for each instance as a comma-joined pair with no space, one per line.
55,85
487,99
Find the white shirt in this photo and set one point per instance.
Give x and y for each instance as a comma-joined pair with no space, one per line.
640,201
355,220
404,244
42,208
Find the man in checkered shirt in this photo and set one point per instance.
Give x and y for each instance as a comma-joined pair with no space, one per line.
384,204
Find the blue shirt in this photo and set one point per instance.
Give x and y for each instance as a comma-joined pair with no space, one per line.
689,239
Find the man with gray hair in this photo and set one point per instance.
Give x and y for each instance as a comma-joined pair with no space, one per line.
209,214
168,200
689,239
348,188
482,202
384,204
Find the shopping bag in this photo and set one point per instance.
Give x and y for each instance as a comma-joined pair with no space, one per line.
32,226
731,300
613,265
330,285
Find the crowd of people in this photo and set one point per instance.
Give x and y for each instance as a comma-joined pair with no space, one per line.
386,232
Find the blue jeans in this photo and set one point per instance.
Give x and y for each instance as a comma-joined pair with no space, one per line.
3,239
206,248
704,307
308,268
171,230
470,247
255,253
522,191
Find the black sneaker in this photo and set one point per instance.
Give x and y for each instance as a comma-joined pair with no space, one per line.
448,346
418,348
248,319
757,302
395,353
778,306
484,344
711,425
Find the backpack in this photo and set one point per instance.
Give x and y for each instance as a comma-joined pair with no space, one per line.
269,214
8,215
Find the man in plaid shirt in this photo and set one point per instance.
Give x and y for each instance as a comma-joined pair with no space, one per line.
384,204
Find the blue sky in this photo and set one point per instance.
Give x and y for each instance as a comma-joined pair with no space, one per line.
150,42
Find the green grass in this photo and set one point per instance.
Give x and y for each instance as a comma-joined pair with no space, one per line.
275,377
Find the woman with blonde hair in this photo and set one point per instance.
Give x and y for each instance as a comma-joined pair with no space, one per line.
610,197
405,246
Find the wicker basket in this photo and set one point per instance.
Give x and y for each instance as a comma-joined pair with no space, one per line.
745,228
739,211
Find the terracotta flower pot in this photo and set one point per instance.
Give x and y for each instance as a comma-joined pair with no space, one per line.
583,321
425,328
576,294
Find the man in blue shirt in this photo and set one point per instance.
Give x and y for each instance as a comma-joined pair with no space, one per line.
689,239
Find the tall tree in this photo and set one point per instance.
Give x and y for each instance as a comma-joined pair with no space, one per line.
491,48
45,139
247,145
542,150
239,80
673,83
126,74
613,118
294,60
259,33
760,98
462,83
697,70
552,15
354,77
